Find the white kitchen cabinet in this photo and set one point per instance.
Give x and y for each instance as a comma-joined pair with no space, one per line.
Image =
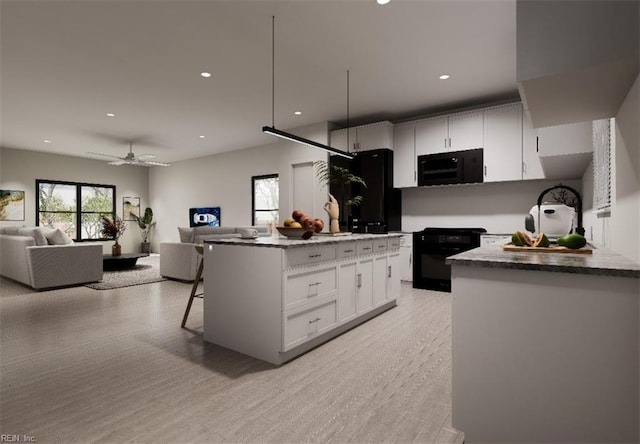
503,143
432,135
531,166
363,138
465,131
393,270
404,155
457,132
274,302
573,138
406,258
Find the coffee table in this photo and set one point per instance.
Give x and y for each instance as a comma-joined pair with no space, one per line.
122,262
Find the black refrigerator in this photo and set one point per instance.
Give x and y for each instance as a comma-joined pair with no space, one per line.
379,211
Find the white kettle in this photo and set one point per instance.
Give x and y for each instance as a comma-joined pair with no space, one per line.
552,219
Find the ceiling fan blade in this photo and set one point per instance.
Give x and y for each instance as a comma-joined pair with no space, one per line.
118,162
104,155
146,156
151,163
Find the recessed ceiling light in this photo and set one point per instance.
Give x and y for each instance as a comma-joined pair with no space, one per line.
383,2
444,76
297,113
205,74
46,141
110,115
202,137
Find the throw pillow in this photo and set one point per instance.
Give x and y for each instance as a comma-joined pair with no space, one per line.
35,233
59,237
187,235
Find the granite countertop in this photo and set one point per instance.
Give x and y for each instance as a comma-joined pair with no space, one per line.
286,242
601,262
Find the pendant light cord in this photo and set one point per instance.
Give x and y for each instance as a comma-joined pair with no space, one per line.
348,111
273,70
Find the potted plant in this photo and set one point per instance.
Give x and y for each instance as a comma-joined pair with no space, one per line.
342,180
146,224
113,229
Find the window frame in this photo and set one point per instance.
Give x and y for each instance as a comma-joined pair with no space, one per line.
253,196
78,212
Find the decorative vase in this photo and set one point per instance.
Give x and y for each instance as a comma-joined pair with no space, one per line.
145,247
116,249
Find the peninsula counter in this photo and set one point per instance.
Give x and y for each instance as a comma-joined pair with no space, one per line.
545,347
276,298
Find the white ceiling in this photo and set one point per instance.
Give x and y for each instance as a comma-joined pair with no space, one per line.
65,64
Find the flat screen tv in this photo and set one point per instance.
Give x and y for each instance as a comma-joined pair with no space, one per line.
204,216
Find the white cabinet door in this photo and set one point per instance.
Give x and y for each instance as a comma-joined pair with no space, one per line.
393,276
431,136
364,284
379,280
573,138
347,291
338,139
406,258
503,143
465,131
531,166
374,136
404,156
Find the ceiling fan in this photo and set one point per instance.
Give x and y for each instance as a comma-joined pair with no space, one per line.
132,159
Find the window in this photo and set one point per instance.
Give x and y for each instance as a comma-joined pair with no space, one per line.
602,146
264,204
73,207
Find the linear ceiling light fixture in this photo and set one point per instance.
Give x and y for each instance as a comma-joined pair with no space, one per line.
283,134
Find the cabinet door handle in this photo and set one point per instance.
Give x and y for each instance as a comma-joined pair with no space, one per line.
348,251
537,143
445,142
389,273
410,258
485,170
449,142
312,256
524,168
314,320
359,284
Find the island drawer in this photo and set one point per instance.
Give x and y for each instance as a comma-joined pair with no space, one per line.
301,326
309,255
364,247
346,249
393,243
301,288
380,246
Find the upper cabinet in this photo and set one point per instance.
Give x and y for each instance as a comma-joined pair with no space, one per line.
576,60
363,138
404,155
463,131
565,151
503,143
531,166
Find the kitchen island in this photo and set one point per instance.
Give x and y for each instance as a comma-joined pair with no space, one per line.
276,298
545,347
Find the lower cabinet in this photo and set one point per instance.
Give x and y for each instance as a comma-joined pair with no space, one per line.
274,304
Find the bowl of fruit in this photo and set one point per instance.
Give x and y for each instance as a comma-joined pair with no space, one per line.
300,226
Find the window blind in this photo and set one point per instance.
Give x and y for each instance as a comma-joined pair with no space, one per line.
602,164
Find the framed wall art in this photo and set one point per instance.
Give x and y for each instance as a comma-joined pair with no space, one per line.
130,205
204,216
11,205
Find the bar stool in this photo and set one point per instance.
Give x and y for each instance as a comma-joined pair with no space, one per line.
194,289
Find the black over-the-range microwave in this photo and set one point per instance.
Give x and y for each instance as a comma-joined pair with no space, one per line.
450,168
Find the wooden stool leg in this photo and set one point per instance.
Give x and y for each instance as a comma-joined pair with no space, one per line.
193,292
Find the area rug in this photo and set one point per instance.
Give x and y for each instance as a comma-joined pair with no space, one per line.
146,271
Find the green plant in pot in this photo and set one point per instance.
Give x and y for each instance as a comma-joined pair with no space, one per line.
146,224
113,229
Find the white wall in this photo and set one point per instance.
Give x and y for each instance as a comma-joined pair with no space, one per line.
19,170
498,207
621,231
224,180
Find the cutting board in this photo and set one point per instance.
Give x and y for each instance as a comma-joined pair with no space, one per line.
552,249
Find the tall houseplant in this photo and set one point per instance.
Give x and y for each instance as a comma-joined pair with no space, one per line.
340,178
113,229
146,224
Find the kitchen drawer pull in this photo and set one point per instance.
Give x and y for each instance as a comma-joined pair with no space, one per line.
382,246
314,283
348,251
314,320
312,256
366,248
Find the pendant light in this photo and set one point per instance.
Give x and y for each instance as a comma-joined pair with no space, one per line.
282,134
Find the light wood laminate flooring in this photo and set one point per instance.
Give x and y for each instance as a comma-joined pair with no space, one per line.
114,366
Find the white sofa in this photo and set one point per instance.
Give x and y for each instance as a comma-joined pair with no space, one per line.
26,256
179,260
